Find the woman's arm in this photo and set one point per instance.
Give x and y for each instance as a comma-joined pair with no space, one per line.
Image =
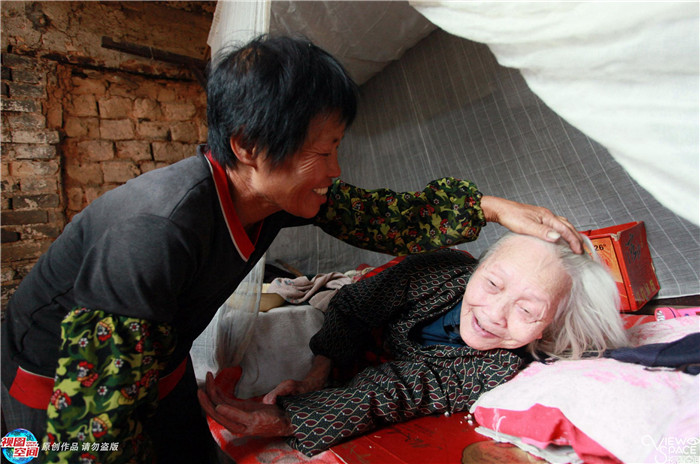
445,213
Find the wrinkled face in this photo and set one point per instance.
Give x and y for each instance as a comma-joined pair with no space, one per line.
299,185
513,295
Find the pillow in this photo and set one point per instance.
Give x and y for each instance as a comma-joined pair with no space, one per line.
605,409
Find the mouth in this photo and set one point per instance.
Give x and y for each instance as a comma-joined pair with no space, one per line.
480,330
321,191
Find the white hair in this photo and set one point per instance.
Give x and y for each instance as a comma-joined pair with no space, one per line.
587,320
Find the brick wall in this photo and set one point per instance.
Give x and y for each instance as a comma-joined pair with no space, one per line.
118,125
74,127
32,206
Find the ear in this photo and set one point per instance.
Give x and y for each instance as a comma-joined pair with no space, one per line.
243,155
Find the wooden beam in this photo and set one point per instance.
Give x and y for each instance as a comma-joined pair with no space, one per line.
195,65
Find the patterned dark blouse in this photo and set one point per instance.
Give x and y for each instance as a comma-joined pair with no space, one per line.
420,380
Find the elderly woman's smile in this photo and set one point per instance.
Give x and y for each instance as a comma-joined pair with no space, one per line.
512,296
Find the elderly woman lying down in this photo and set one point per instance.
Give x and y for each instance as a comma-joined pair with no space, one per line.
455,327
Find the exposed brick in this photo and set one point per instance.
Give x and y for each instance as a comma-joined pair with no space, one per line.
9,236
114,107
26,90
119,171
54,113
21,202
92,193
96,150
17,61
25,106
170,152
34,168
151,165
6,292
74,197
88,173
35,152
203,130
41,231
82,127
137,150
24,217
146,108
8,188
35,136
56,216
116,129
184,132
7,273
24,250
89,86
167,94
26,120
178,111
154,130
29,76
82,105
39,185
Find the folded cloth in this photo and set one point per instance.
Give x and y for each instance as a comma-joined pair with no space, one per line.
682,354
318,290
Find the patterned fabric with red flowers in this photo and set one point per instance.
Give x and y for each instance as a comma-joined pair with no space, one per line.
390,222
106,386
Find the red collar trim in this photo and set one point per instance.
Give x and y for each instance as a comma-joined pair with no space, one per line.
239,237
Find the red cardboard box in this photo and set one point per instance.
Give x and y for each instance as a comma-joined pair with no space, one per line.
624,249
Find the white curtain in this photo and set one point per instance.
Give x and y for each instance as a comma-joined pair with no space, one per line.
625,74
236,22
225,340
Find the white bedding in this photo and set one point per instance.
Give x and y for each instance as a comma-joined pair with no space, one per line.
625,74
279,349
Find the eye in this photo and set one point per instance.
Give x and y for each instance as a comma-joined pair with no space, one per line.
491,286
524,310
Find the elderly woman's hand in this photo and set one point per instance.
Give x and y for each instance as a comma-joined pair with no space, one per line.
315,380
531,220
242,417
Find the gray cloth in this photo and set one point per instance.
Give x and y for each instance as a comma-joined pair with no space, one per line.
318,290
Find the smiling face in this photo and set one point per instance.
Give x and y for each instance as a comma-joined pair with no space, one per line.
299,185
513,295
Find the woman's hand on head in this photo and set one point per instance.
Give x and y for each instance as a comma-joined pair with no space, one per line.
532,220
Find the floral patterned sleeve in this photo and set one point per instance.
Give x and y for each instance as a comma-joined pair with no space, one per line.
106,386
447,212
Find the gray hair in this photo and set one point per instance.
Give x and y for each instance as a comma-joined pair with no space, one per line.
587,320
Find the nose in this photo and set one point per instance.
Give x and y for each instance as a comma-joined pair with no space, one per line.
333,167
498,312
